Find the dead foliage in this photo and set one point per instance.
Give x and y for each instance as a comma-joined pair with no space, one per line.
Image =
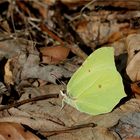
42,43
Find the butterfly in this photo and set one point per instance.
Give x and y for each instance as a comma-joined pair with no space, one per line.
96,87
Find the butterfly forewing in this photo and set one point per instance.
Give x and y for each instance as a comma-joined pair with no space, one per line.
103,93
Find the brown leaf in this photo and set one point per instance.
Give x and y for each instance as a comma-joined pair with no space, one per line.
120,34
133,68
94,30
133,45
14,131
54,55
49,2
96,33
5,26
43,10
133,49
136,89
74,3
8,76
119,47
102,133
48,116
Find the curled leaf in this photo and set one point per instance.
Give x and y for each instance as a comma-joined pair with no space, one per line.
133,48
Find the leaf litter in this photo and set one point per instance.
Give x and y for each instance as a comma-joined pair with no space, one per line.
80,27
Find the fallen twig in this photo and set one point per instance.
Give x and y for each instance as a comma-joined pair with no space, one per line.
38,98
56,132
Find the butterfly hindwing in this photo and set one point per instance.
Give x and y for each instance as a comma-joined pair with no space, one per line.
101,96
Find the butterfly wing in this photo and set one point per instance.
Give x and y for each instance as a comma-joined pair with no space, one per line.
102,95
96,87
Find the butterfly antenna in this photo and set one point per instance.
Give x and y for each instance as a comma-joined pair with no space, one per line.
61,92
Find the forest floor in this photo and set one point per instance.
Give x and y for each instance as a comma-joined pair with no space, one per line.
42,44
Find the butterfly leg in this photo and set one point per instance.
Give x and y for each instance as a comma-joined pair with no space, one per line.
63,103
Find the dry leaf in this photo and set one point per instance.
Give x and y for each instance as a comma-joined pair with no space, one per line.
54,55
5,26
93,32
128,125
133,45
13,47
102,27
133,49
3,91
25,67
8,76
42,8
133,68
121,34
14,131
47,116
101,133
49,2
119,47
50,73
136,89
74,3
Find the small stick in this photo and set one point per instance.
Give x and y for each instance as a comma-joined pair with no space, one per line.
51,34
87,5
56,132
17,104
